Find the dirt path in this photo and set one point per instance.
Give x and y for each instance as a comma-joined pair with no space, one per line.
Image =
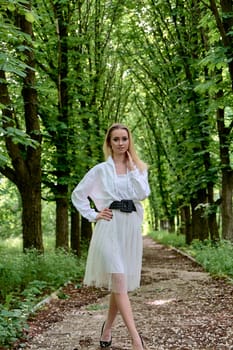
178,307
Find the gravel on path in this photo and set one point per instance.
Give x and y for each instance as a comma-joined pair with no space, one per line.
179,306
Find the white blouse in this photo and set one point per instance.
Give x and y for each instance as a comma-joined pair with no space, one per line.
122,185
101,184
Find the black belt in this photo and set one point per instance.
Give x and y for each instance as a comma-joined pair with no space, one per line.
125,205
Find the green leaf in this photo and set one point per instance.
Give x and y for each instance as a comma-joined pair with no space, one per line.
11,7
29,17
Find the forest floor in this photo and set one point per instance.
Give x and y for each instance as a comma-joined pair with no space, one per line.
179,306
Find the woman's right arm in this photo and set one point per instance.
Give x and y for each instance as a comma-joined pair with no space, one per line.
80,196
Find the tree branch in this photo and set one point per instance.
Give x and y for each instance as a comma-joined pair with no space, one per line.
214,9
9,173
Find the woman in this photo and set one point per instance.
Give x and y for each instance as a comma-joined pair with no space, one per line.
116,186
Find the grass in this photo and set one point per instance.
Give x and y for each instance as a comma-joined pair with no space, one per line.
168,238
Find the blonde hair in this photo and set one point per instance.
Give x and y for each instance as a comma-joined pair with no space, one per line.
108,150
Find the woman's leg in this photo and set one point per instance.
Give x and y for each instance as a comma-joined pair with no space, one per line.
112,312
119,301
124,306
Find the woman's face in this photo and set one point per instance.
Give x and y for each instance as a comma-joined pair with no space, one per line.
119,141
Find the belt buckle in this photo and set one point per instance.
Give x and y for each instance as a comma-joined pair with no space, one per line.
126,206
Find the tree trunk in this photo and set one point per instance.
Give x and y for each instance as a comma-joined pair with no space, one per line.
199,219
25,159
62,225
212,209
31,215
75,232
171,227
86,229
212,219
186,227
227,176
227,214
213,227
155,223
62,194
224,24
32,232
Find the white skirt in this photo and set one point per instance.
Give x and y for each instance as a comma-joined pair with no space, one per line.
115,253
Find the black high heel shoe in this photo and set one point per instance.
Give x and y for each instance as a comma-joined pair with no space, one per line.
143,345
104,343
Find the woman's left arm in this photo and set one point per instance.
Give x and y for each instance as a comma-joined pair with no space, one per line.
140,185
138,179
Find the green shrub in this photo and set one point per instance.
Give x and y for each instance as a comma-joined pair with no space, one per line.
12,324
17,271
25,279
216,258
